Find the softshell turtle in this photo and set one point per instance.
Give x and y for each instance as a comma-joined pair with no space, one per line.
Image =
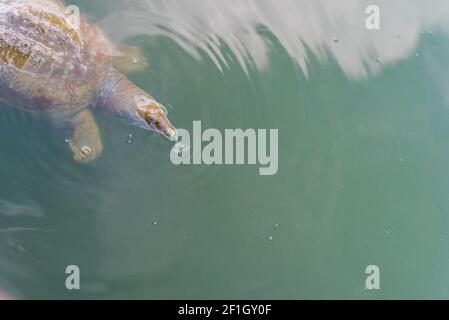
51,65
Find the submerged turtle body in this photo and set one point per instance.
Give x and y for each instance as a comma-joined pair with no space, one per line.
50,64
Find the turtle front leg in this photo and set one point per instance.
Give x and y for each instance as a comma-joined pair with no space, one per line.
86,141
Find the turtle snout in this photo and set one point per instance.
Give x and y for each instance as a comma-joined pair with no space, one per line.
171,133
164,126
156,119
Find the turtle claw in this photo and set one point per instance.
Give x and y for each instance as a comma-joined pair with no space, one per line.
84,154
86,142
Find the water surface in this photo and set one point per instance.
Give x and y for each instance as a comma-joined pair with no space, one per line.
363,122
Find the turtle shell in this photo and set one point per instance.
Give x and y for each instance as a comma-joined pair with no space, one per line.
47,63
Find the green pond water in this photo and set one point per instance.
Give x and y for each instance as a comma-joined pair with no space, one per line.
363,179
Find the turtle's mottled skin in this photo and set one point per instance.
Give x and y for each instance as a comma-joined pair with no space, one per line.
49,65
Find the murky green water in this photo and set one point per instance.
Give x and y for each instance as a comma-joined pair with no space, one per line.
363,123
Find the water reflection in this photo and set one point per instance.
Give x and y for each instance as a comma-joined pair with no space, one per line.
10,209
303,27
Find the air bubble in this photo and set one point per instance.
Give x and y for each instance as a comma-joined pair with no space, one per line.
180,148
130,139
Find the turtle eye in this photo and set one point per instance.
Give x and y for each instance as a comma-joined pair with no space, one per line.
153,121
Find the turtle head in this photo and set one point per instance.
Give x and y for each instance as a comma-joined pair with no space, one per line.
121,97
153,116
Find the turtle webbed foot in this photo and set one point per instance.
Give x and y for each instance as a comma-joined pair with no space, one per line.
86,141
